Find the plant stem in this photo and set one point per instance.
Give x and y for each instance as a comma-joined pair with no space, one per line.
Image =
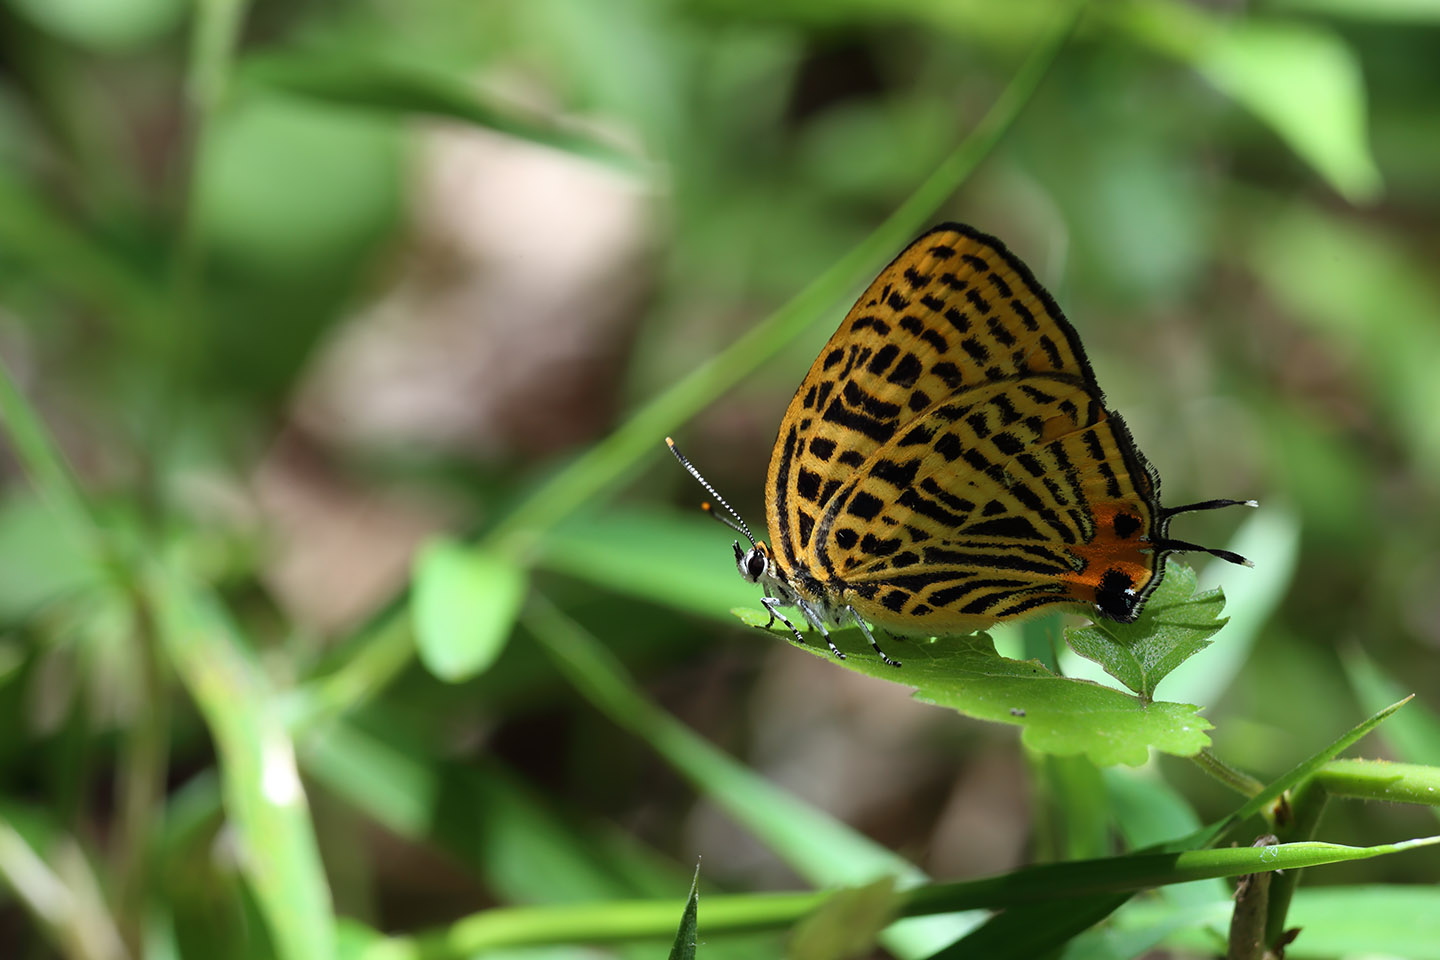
1247,923
1237,780
1306,805
141,773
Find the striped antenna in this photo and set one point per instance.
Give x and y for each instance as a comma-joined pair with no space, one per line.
739,524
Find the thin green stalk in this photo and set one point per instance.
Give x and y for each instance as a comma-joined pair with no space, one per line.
62,894
1215,832
215,30
607,462
141,773
376,658
640,920
1237,780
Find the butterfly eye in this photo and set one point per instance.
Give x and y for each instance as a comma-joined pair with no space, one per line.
754,564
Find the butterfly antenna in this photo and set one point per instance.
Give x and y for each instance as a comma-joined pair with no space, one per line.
1171,546
739,524
1207,505
1182,545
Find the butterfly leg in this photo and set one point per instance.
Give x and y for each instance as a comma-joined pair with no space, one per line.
818,622
865,629
771,604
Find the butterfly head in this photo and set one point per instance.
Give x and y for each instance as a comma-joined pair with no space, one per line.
753,563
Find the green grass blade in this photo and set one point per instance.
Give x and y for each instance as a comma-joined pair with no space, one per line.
1301,80
56,886
631,920
1415,734
263,796
391,87
481,814
685,937
1301,771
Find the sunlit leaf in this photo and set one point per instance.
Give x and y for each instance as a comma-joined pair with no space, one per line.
465,604
1175,625
1301,80
1056,714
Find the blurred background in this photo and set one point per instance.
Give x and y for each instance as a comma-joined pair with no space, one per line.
298,286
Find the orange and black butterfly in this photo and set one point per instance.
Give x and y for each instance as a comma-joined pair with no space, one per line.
949,462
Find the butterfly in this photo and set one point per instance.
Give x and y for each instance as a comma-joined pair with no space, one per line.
949,462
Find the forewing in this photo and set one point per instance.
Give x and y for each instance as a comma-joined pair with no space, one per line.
1001,500
953,311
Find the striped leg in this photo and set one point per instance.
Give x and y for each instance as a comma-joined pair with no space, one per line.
818,622
865,629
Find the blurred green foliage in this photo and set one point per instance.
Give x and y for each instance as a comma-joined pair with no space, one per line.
295,296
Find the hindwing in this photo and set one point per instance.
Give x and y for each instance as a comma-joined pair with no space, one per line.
998,501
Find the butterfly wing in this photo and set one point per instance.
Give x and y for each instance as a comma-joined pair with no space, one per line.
953,311
1004,499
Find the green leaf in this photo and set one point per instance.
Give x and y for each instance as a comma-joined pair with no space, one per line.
1301,80
1368,921
465,604
1415,734
113,26
1175,625
848,923
1270,537
1375,312
290,186
1148,811
688,933
390,86
1057,714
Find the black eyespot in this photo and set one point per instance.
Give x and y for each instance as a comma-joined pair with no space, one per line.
755,564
